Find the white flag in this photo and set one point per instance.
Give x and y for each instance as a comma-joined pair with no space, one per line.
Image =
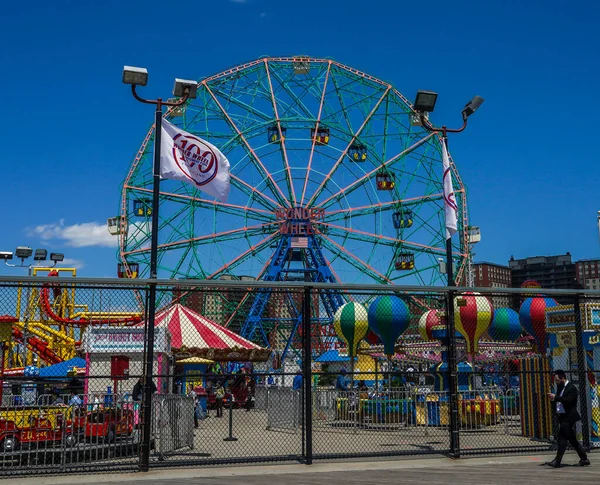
188,158
450,207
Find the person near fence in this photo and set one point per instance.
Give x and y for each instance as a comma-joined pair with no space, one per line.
138,389
219,395
342,383
565,408
239,389
194,396
75,400
297,383
251,392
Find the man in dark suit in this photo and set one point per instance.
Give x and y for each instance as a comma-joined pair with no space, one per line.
565,408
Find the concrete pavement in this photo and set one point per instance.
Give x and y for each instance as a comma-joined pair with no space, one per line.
476,471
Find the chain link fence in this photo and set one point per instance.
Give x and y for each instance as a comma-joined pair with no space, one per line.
260,372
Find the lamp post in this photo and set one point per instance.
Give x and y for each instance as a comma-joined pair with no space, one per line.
424,104
23,253
183,89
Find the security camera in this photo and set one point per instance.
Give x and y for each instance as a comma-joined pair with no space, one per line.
181,85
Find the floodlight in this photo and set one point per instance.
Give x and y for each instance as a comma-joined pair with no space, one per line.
23,252
6,255
181,85
57,257
138,76
425,101
40,255
472,106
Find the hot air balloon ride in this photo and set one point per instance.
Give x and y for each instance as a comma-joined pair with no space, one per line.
472,317
351,325
532,316
389,317
432,325
505,326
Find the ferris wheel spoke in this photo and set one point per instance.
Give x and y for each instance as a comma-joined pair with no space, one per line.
254,193
343,154
215,238
380,206
286,163
236,261
365,178
290,93
314,140
249,108
353,259
233,209
380,239
183,257
252,154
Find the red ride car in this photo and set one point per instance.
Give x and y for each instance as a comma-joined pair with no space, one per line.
40,430
108,424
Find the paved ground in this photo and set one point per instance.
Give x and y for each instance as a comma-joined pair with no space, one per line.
258,437
475,471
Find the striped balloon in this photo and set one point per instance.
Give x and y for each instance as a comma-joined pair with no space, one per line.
351,325
389,316
505,325
532,316
430,321
472,317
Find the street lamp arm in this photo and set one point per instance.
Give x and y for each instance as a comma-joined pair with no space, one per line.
139,98
429,127
159,101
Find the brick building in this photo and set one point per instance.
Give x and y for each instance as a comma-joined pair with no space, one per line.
492,275
587,273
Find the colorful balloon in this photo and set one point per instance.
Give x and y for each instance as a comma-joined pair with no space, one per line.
389,316
532,316
505,326
351,325
431,321
472,317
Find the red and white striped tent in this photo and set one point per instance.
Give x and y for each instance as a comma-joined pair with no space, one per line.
196,335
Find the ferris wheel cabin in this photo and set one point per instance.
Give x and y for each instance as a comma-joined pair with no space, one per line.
134,269
273,133
142,208
320,135
357,152
385,180
402,218
405,261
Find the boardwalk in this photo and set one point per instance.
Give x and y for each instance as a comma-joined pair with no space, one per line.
476,471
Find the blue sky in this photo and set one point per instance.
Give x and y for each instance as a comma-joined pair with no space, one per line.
529,158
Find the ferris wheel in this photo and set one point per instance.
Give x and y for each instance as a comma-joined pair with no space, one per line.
332,179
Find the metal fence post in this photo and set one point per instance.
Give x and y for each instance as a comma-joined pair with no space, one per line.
148,382
307,371
582,374
452,377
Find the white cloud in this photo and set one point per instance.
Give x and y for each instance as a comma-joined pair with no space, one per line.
77,235
72,263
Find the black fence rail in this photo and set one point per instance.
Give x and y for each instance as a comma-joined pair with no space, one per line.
261,372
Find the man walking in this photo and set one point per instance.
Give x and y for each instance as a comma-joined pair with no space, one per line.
565,407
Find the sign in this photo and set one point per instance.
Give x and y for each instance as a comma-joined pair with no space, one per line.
299,221
123,340
566,340
562,317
